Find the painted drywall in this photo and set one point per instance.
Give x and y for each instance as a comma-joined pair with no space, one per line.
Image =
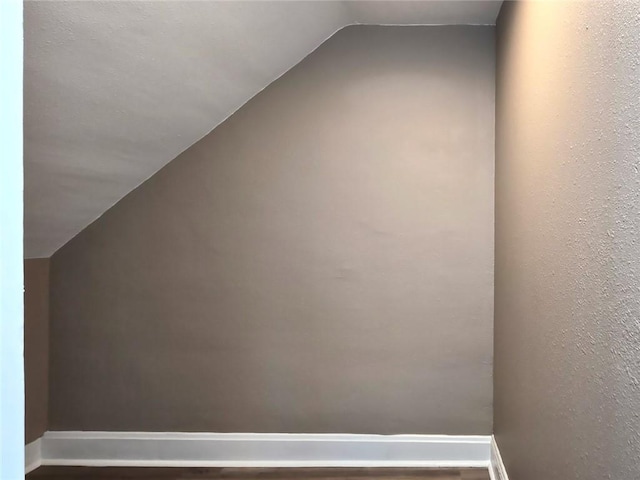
115,90
36,346
567,336
11,238
321,262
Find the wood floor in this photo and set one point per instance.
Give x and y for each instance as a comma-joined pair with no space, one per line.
123,473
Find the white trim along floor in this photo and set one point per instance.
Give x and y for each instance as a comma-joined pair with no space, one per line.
263,450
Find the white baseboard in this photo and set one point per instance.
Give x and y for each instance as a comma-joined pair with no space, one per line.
263,450
496,469
33,455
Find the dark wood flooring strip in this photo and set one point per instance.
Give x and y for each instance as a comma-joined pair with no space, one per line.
152,473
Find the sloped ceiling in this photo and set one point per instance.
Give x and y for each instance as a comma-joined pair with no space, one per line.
115,90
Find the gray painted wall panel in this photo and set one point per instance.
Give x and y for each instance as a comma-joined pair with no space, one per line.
567,336
36,347
321,262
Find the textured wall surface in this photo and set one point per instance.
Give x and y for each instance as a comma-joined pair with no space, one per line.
567,328
36,346
321,262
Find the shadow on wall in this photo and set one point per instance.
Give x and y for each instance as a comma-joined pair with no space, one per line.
36,347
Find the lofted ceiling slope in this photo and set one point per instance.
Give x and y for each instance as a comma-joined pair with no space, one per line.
115,90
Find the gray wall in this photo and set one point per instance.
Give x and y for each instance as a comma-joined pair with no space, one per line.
567,330
321,262
36,346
